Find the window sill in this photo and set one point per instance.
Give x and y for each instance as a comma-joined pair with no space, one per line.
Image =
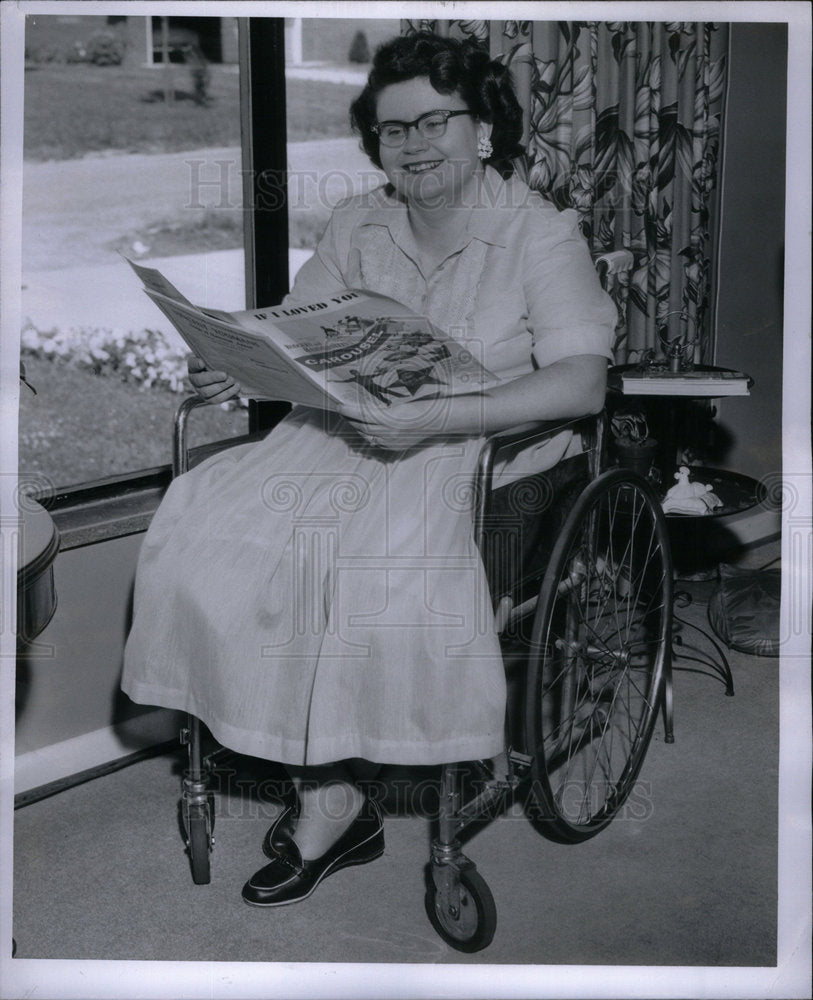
119,505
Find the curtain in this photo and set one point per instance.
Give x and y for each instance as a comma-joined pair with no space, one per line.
623,124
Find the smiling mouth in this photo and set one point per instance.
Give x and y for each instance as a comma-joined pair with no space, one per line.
419,168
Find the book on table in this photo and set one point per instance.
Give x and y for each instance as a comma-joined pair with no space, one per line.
697,382
351,347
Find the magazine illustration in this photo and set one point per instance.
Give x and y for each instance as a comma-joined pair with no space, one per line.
353,347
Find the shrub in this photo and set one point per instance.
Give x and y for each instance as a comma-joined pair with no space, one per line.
105,48
144,358
77,53
42,54
359,49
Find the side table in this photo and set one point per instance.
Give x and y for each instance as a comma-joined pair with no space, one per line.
736,491
37,548
703,382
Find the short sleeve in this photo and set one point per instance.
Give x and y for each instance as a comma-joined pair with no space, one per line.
325,272
569,312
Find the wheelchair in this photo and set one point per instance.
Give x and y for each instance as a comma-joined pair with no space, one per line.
580,576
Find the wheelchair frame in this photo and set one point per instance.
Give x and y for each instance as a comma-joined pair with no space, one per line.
612,658
458,902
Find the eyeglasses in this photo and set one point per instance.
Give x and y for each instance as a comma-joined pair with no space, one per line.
431,125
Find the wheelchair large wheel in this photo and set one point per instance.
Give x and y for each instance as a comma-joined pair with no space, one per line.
599,645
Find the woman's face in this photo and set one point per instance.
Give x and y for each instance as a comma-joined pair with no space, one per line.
429,172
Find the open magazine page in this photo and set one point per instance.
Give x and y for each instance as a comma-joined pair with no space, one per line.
362,345
354,347
219,342
154,281
251,359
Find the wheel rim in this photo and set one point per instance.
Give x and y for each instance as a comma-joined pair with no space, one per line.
600,637
459,918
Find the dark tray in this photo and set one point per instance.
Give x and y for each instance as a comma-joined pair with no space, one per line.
737,492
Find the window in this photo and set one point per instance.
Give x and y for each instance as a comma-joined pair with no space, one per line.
158,159
122,156
327,61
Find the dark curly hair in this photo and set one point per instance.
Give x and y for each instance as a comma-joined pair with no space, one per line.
451,66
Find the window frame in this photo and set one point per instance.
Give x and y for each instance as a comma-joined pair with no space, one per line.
120,505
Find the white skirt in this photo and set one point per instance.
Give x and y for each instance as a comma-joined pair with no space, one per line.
311,598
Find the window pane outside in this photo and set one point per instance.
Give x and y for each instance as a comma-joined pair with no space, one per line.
327,61
122,154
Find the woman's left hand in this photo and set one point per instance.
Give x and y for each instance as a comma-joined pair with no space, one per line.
400,425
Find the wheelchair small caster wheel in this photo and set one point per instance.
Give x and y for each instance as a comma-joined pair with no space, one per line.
199,843
464,914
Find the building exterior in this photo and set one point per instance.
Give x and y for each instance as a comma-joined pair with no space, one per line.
63,37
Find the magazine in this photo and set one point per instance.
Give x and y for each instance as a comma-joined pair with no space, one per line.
353,347
699,382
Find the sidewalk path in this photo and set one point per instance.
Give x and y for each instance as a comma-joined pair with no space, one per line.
329,74
74,210
109,296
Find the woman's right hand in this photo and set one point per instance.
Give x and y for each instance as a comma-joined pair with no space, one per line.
214,387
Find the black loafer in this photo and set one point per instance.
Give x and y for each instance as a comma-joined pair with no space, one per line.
280,832
288,879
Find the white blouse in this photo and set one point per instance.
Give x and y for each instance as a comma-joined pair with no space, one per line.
519,286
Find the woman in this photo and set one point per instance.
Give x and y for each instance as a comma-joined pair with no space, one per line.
317,599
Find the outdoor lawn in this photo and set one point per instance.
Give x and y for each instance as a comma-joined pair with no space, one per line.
76,110
72,109
82,426
79,426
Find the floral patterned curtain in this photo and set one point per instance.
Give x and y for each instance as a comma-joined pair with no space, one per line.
623,124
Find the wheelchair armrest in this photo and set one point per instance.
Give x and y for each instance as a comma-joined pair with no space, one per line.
534,430
525,434
522,434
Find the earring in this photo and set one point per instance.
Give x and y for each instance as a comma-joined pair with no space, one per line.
484,147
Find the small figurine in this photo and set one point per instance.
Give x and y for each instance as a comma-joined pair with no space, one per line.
689,498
